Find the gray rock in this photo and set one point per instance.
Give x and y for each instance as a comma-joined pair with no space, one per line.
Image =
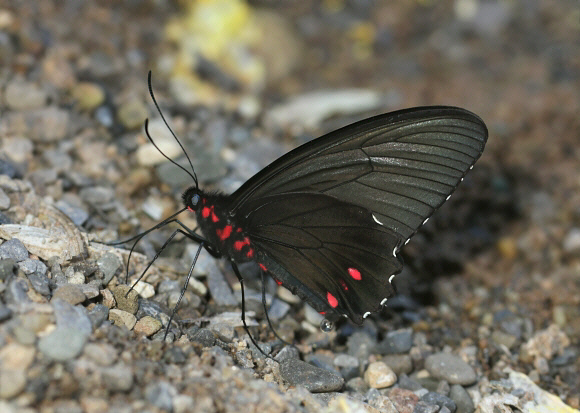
437,399
314,379
64,343
98,314
16,293
397,342
71,317
161,394
12,383
405,382
117,378
345,360
4,200
15,249
287,353
29,266
223,331
6,268
203,336
462,399
75,213
109,264
22,95
424,407
219,288
40,283
71,293
451,368
399,363
5,313
360,345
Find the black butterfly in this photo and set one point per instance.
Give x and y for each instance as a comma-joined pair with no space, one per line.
327,220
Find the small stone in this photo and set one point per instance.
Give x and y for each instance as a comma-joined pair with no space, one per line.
19,149
204,337
182,403
462,399
503,339
144,289
15,249
109,264
132,114
451,368
6,268
424,407
108,298
22,95
40,283
404,400
161,394
378,375
397,342
98,314
12,383
101,353
345,360
118,378
14,356
88,95
572,240
71,293
90,290
314,379
399,363
30,266
219,288
122,318
440,400
4,200
148,326
547,343
360,345
64,343
126,298
224,331
287,353
75,277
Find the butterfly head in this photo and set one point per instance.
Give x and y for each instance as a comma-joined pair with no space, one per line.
192,198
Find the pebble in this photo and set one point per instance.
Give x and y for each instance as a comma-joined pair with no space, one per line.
122,318
108,298
287,353
314,379
161,394
345,360
219,288
132,114
503,339
126,302
88,95
148,326
6,267
49,124
98,314
378,375
397,342
71,293
4,200
22,95
90,290
278,309
203,336
64,343
449,367
399,363
12,383
19,149
360,345
380,402
462,399
30,266
440,400
546,343
403,399
77,214
102,354
117,378
15,249
224,331
40,283
424,407
109,264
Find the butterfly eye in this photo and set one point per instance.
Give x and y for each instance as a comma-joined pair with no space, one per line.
195,199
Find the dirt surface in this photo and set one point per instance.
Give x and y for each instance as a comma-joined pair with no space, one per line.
493,279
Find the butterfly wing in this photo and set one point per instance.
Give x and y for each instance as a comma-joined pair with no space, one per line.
401,166
330,253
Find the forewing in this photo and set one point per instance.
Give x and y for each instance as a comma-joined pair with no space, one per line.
401,166
330,253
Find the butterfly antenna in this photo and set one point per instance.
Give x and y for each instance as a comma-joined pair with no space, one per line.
194,176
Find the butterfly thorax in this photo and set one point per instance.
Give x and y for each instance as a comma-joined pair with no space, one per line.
221,230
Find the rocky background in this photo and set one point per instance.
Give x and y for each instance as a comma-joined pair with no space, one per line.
487,317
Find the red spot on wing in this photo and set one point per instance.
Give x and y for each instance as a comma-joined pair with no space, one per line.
239,230
263,267
190,210
322,312
278,282
238,245
214,217
250,253
205,212
224,233
343,285
354,273
331,300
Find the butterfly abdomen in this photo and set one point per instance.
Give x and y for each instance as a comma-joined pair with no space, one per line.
222,232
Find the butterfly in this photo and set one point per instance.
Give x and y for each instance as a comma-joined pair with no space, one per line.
328,219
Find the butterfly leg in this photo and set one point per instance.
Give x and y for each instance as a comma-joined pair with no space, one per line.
241,280
201,245
266,311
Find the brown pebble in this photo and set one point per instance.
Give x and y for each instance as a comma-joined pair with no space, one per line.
126,302
71,293
122,318
148,326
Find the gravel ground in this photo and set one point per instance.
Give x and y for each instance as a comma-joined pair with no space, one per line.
487,317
